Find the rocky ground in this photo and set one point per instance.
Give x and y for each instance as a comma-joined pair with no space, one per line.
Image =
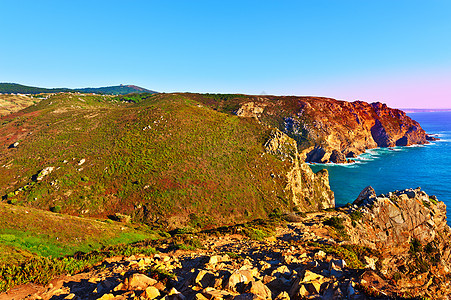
312,258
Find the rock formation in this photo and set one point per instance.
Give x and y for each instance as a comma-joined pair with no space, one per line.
329,130
409,229
309,191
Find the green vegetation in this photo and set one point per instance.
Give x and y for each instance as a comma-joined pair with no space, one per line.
41,270
134,98
352,254
147,159
14,88
27,232
356,215
338,229
433,200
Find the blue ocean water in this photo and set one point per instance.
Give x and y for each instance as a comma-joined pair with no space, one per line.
425,166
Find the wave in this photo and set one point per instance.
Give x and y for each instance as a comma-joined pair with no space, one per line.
416,146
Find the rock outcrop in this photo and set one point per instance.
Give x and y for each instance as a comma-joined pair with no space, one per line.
308,191
409,229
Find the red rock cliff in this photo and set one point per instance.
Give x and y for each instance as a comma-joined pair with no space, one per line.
329,130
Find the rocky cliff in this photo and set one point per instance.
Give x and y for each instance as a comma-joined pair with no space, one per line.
409,229
309,191
327,130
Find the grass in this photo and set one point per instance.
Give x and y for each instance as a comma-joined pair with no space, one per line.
149,159
352,254
12,103
40,270
27,232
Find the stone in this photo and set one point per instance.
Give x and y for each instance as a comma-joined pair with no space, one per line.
214,259
313,287
204,279
283,296
107,297
237,277
259,289
199,296
14,145
337,157
139,281
44,172
211,293
310,276
320,254
370,262
246,296
281,271
337,264
174,295
365,195
152,292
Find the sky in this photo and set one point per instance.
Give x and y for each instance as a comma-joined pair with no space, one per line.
396,52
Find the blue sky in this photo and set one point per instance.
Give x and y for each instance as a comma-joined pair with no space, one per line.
397,52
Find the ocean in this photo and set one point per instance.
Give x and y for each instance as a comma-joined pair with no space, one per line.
398,168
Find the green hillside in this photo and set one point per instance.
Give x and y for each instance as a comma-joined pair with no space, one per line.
166,161
14,88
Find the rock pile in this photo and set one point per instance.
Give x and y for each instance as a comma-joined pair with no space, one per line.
388,246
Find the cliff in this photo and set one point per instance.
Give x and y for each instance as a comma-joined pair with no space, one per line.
309,191
326,130
410,231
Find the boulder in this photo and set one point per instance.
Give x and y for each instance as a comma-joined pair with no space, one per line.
337,157
259,289
365,196
204,279
152,292
238,279
139,281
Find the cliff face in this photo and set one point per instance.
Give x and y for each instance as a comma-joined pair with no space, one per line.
409,229
328,130
308,191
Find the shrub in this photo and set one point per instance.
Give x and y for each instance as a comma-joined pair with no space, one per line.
56,209
415,246
335,222
356,215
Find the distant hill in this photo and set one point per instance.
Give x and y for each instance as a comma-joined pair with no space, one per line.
14,88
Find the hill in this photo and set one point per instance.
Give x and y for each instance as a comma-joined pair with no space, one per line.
165,160
14,88
11,103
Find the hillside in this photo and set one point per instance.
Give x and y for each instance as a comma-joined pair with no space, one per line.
14,88
166,161
12,103
393,246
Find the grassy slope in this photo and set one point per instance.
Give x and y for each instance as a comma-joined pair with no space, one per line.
25,232
13,103
167,161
